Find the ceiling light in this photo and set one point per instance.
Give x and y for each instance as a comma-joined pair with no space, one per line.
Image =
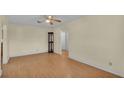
49,17
48,21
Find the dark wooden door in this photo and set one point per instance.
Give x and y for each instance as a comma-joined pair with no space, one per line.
50,42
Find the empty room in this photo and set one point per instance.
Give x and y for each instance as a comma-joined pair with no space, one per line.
61,46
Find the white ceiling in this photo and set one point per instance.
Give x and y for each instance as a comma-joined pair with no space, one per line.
32,19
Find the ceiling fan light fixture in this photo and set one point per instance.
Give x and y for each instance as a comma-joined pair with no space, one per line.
47,21
50,17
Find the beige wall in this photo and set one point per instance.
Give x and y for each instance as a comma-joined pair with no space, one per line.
98,41
24,40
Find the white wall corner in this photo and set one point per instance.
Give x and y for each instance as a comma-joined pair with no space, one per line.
91,63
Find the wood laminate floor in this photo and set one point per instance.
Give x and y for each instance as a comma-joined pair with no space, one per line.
50,66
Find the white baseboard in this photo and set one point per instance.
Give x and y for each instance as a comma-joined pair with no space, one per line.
89,62
27,53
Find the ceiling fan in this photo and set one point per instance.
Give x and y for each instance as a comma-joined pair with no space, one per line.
49,19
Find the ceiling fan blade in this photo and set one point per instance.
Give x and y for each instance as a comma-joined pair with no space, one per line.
51,23
57,20
38,21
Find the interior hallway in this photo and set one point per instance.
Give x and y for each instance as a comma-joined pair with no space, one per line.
50,66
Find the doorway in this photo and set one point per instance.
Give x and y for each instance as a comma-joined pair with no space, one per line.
64,43
1,55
